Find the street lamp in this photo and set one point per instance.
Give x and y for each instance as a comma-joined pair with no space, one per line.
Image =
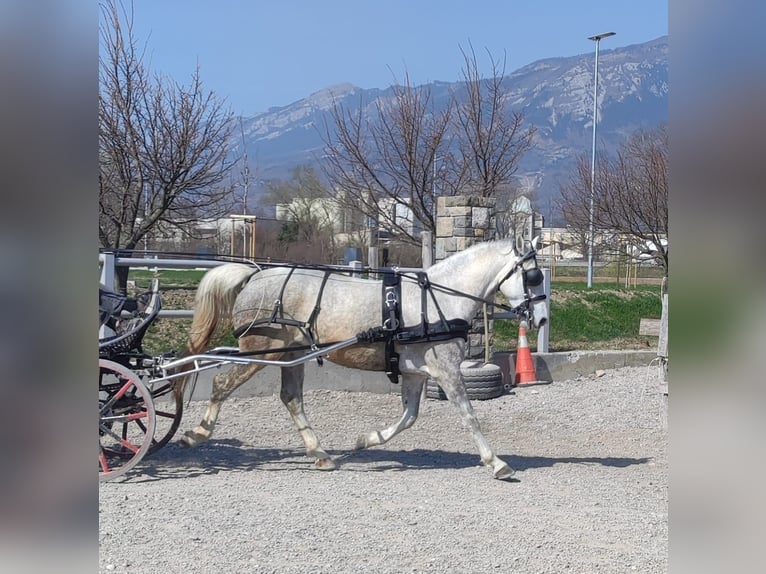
596,39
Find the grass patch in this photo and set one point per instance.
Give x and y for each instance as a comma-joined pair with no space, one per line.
591,318
610,270
169,278
600,315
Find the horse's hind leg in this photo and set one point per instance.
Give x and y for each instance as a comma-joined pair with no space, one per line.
291,395
412,389
223,385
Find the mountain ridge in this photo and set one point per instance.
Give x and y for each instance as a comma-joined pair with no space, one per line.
554,94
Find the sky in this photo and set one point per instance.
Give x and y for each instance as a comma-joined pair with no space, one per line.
257,54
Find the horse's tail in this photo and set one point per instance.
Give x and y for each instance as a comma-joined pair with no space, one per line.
213,304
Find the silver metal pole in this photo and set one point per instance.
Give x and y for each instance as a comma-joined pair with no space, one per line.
543,333
597,39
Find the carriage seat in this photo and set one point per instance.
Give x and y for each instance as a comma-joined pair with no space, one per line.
125,320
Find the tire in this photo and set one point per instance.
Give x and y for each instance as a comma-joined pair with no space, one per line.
168,410
482,381
126,420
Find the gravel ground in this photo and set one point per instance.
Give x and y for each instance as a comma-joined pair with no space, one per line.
590,493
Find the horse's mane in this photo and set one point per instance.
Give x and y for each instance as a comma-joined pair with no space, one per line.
456,262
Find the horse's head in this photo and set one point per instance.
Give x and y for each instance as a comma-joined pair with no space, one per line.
522,284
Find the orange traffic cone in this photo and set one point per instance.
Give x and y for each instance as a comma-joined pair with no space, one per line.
525,366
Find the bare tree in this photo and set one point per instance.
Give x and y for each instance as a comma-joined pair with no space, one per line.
393,163
574,202
385,166
491,137
163,147
630,198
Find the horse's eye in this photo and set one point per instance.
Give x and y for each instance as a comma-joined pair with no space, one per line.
533,277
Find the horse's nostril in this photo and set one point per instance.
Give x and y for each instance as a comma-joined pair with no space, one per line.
542,322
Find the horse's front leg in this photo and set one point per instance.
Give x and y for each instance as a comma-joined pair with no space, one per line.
452,384
412,389
292,397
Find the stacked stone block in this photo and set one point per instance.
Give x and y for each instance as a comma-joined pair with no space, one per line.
461,221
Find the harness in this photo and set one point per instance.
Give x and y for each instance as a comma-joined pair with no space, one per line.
392,331
277,317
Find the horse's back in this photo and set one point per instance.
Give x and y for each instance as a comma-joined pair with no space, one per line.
343,306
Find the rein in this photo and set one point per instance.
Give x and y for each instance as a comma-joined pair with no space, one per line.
391,330
520,309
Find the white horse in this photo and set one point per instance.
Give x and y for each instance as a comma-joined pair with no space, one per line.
279,307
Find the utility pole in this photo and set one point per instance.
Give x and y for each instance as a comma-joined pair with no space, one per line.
596,39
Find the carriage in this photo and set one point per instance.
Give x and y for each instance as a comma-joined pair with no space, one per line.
138,411
411,325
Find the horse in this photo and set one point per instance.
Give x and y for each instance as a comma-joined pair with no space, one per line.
275,309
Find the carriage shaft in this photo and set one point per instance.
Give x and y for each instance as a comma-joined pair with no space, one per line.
205,361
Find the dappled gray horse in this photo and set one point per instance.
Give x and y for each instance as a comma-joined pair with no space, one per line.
281,307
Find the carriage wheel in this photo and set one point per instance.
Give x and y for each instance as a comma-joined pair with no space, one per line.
169,409
126,420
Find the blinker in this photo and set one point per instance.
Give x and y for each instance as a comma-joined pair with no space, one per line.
533,277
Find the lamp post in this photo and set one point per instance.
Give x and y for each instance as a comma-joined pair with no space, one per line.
596,39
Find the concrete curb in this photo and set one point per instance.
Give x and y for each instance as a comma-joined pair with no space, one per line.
549,367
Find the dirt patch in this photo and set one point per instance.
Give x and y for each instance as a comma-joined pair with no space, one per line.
591,490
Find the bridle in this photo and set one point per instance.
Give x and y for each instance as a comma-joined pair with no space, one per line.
531,276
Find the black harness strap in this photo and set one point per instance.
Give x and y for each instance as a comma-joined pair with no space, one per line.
317,308
392,321
307,328
278,303
425,288
392,294
393,329
311,323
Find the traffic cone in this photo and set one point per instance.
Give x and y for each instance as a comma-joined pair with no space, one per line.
525,366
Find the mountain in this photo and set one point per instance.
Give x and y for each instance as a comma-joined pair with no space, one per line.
555,95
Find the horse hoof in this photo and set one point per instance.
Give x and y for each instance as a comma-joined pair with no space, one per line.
190,439
504,473
325,464
368,440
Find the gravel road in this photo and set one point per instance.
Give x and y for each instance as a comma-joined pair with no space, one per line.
590,495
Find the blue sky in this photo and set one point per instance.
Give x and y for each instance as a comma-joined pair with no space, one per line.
258,53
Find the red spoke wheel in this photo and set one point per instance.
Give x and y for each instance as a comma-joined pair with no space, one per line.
169,409
126,420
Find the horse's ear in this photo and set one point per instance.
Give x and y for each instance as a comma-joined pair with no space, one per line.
519,244
535,242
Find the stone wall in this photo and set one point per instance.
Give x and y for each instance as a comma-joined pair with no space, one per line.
461,221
